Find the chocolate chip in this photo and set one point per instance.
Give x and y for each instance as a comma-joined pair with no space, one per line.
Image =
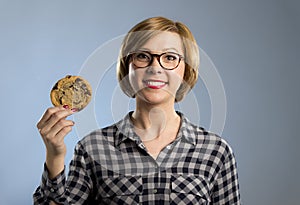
78,80
55,87
87,92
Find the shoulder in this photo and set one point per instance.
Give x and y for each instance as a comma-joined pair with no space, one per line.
206,140
213,140
213,148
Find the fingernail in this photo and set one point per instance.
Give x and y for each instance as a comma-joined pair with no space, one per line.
74,109
66,106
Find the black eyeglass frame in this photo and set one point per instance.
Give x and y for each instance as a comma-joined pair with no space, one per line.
157,56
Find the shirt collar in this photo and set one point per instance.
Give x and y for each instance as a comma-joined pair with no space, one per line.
125,130
187,130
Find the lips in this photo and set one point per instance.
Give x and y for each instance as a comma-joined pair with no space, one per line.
155,84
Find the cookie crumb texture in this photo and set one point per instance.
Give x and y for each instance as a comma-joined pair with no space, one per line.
73,91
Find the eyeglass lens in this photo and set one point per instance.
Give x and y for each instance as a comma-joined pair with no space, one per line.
167,60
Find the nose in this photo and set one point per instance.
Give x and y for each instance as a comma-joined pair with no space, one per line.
155,61
155,66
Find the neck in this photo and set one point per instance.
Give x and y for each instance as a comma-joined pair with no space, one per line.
152,120
148,115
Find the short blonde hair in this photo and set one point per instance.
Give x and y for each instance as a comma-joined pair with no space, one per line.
145,30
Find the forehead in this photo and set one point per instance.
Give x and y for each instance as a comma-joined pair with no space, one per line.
164,41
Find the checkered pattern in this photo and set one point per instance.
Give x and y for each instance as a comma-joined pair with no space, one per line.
112,166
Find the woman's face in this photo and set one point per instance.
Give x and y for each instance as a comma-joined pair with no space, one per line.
154,84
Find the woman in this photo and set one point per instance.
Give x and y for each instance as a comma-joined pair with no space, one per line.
154,155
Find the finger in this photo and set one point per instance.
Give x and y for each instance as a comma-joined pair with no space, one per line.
45,127
47,115
63,132
58,127
57,140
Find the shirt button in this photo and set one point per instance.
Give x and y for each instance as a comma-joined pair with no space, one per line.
52,190
154,191
169,147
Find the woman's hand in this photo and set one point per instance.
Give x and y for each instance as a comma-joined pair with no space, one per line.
53,128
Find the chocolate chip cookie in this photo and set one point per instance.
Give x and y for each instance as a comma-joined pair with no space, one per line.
73,91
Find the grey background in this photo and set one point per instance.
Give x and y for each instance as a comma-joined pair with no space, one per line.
253,44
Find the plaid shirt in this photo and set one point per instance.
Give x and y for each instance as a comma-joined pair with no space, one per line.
112,166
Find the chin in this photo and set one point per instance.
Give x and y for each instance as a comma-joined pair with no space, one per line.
156,98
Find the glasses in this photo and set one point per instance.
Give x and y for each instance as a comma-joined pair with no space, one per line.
167,60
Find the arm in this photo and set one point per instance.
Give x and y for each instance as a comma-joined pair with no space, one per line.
53,127
74,190
226,188
48,188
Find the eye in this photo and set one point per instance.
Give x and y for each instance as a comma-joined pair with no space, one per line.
142,56
170,57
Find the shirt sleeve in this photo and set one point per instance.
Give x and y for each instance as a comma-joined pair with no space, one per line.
49,189
74,190
226,188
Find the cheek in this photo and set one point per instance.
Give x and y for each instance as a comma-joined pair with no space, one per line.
177,75
132,76
176,80
135,77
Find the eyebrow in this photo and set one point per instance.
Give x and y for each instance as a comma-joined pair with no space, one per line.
163,50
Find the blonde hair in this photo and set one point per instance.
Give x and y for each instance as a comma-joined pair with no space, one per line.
145,30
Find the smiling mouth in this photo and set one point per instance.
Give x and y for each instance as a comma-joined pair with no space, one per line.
154,84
